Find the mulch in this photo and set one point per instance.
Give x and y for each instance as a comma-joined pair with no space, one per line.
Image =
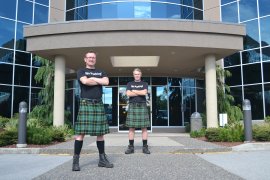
227,144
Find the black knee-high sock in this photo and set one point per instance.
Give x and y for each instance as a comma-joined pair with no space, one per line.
131,142
100,146
145,142
78,147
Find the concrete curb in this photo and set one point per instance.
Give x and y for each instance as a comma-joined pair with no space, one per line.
264,146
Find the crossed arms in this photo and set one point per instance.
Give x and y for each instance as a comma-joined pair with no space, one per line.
94,81
132,93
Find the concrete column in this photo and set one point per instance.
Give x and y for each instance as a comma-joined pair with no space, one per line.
211,10
57,11
211,91
59,91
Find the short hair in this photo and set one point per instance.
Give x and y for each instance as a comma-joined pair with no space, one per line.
90,51
137,69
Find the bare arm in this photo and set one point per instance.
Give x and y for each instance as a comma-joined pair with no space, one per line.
140,92
101,81
131,93
87,81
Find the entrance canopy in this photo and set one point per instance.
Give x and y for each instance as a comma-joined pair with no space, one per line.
179,45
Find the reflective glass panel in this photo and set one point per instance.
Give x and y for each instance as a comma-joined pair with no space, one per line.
69,105
236,92
158,10
8,9
35,100
109,11
159,80
235,79
254,94
173,11
5,100
125,80
20,41
35,61
125,10
110,103
226,1
142,10
6,56
264,7
95,12
7,29
251,40
251,56
248,9
41,14
200,83
25,11
267,99
22,75
188,106
159,106
265,26
45,2
123,108
200,100
175,104
232,60
6,73
266,54
22,58
252,73
113,81
174,81
266,71
230,13
34,82
20,94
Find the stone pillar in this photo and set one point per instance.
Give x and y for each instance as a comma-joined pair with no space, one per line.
57,11
59,91
211,91
211,10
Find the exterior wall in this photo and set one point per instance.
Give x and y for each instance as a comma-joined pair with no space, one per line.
57,10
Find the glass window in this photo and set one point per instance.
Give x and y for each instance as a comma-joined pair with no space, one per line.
159,80
35,61
109,11
186,13
226,1
158,10
175,104
173,11
95,12
110,103
251,56
188,106
125,80
248,9
45,2
252,73
34,82
230,13
125,10
5,100
159,106
22,58
266,71
266,54
142,10
235,79
6,56
7,29
200,100
236,92
198,14
264,7
41,14
20,94
265,26
254,94
22,75
200,83
174,81
232,60
69,104
6,73
251,40
188,82
25,11
113,81
8,9
267,99
20,41
35,100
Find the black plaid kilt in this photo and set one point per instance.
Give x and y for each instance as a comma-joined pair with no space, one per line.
137,116
91,119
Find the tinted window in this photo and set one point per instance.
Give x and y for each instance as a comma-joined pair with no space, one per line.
232,60
20,41
251,40
267,99
175,102
6,73
230,13
251,56
175,81
266,71
7,29
226,1
159,81
266,54
35,100
236,92
264,7
25,11
252,73
5,102
6,56
265,36
41,14
247,9
20,94
22,58
22,76
254,94
235,79
45,2
8,9
34,82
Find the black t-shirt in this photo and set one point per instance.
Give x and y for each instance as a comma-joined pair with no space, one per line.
137,86
90,92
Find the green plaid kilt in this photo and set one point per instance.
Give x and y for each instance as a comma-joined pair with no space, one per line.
91,119
137,116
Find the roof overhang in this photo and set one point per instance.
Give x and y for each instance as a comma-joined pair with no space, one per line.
181,45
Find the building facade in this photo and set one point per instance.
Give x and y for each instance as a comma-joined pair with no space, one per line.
174,92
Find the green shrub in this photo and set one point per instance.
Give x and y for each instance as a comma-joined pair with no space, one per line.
33,122
8,137
261,132
39,136
3,121
195,134
12,124
187,127
267,119
213,134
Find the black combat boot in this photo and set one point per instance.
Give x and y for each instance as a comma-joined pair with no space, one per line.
130,149
75,165
104,162
145,149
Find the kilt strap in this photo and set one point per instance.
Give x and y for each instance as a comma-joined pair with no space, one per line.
92,100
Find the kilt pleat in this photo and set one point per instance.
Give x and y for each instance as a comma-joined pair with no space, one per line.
91,119
137,116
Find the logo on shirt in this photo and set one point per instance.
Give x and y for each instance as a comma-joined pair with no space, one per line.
136,86
93,74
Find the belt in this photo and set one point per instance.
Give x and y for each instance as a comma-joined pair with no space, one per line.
138,104
92,100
